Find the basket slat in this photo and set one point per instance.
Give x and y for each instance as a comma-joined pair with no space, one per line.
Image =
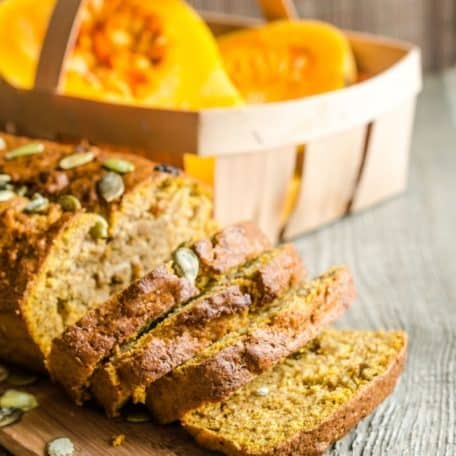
386,166
330,169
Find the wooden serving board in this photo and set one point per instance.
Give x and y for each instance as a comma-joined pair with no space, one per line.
90,431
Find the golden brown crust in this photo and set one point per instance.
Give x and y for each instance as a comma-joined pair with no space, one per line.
215,377
82,347
318,440
193,329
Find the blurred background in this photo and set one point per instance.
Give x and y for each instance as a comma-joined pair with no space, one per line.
429,23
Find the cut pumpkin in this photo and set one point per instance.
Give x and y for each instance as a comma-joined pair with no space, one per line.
155,53
287,59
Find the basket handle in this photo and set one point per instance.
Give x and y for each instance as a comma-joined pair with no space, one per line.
278,9
59,39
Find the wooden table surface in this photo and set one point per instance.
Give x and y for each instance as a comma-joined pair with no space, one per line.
402,254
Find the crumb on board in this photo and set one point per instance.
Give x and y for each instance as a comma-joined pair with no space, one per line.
118,440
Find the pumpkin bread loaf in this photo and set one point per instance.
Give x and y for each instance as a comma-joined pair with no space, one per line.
235,360
118,216
224,307
308,401
85,345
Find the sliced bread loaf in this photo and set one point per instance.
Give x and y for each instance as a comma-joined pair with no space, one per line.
192,327
308,401
85,345
77,225
235,360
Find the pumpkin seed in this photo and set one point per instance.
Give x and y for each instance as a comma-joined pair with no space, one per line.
75,160
21,378
22,190
69,203
37,204
101,229
12,398
27,149
262,391
186,263
164,168
119,166
2,144
6,195
9,416
4,179
4,373
111,187
62,446
138,417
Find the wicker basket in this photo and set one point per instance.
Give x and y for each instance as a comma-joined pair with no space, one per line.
291,166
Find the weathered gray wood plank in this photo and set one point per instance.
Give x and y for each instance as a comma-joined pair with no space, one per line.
403,255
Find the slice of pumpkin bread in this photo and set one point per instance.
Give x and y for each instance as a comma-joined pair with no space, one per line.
78,224
308,401
85,345
192,327
235,360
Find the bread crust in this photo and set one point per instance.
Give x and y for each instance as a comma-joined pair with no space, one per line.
217,376
212,317
317,441
82,347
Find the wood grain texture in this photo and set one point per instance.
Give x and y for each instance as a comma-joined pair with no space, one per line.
402,255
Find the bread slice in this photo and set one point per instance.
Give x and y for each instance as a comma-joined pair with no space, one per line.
193,327
55,265
238,358
308,401
82,347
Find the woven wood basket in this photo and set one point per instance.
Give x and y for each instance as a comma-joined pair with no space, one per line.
291,166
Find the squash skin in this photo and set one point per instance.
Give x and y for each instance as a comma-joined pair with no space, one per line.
188,75
285,60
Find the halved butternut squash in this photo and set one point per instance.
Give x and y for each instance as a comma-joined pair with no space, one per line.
287,59
155,53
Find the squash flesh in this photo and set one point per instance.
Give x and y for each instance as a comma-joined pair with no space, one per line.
285,60
128,51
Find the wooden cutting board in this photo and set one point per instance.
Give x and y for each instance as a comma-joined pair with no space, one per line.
89,429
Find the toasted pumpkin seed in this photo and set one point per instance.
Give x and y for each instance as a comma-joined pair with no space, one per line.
119,166
62,446
101,229
6,195
186,263
75,160
2,144
9,416
69,203
21,378
22,190
164,168
4,373
12,398
37,204
138,417
4,179
26,149
111,186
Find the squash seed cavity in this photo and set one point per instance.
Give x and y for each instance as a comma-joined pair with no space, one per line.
23,151
111,187
69,203
76,160
62,446
15,399
119,166
9,416
186,263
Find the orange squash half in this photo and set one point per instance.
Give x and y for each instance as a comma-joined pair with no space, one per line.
148,52
287,59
